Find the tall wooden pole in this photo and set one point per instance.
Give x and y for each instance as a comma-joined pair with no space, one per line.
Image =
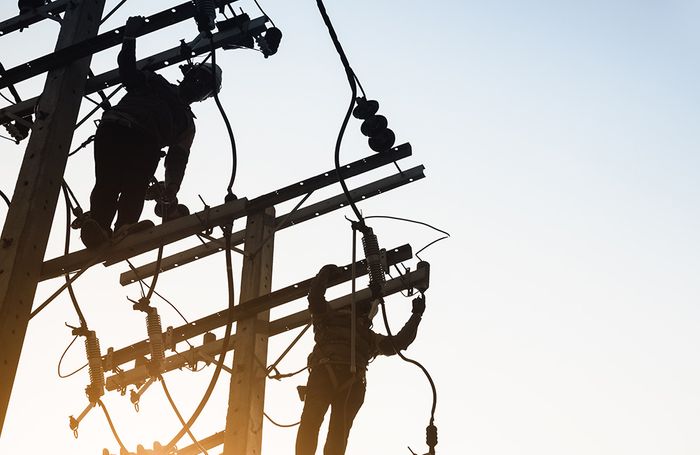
28,223
247,391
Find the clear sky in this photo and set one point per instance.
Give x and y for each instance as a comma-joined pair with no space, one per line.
560,141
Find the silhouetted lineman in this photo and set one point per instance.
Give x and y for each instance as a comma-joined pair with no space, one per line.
153,114
331,383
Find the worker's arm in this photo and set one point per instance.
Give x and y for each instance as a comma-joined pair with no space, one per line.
176,162
407,334
317,291
131,77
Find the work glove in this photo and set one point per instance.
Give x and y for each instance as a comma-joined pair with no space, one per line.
419,305
133,26
326,272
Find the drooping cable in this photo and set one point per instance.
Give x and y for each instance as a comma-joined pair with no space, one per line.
142,284
6,98
273,366
224,346
359,84
4,197
446,234
264,13
9,139
280,376
97,108
152,287
114,10
60,361
83,145
229,130
281,425
431,430
179,416
66,250
353,88
111,427
57,292
75,204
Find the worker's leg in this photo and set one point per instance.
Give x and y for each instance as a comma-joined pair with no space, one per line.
140,163
104,196
344,407
318,397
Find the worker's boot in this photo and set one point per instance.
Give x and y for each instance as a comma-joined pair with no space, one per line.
92,234
129,229
171,211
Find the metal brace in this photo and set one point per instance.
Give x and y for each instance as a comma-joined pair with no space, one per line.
135,396
75,423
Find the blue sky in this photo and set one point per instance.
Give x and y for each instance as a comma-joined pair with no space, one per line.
560,143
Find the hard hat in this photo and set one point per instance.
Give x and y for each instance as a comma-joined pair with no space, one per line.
202,80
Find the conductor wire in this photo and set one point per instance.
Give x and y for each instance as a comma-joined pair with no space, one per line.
446,234
353,87
224,346
5,198
74,300
179,416
229,130
414,362
111,426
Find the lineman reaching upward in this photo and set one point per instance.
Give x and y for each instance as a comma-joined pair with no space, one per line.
331,383
153,114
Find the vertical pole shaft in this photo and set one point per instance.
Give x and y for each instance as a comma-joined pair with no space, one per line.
247,391
28,222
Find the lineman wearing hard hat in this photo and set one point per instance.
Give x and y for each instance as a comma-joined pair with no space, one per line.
331,382
152,115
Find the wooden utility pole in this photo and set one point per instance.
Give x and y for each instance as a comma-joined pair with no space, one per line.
28,222
247,391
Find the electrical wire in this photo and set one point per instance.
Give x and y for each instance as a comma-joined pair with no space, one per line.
229,130
152,287
5,198
83,145
58,368
279,375
72,195
142,283
446,234
264,13
359,84
414,362
273,367
111,426
114,10
66,250
6,98
9,139
281,425
58,292
353,87
224,346
95,109
179,416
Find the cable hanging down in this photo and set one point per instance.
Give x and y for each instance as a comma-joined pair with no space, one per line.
353,88
224,346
